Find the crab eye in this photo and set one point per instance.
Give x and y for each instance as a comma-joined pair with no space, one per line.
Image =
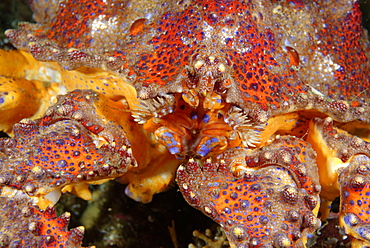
192,79
221,86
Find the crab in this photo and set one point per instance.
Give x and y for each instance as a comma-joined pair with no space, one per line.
257,109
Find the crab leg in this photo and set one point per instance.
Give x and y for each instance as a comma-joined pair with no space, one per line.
344,165
355,198
24,224
260,197
70,145
29,87
66,149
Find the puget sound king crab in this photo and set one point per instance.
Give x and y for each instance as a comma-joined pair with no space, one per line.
258,109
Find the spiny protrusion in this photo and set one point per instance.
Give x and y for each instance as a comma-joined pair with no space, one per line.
290,194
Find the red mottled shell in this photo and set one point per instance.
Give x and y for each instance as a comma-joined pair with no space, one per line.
248,97
274,65
24,224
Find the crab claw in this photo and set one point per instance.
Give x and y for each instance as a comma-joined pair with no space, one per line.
24,224
344,166
355,198
270,204
68,148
